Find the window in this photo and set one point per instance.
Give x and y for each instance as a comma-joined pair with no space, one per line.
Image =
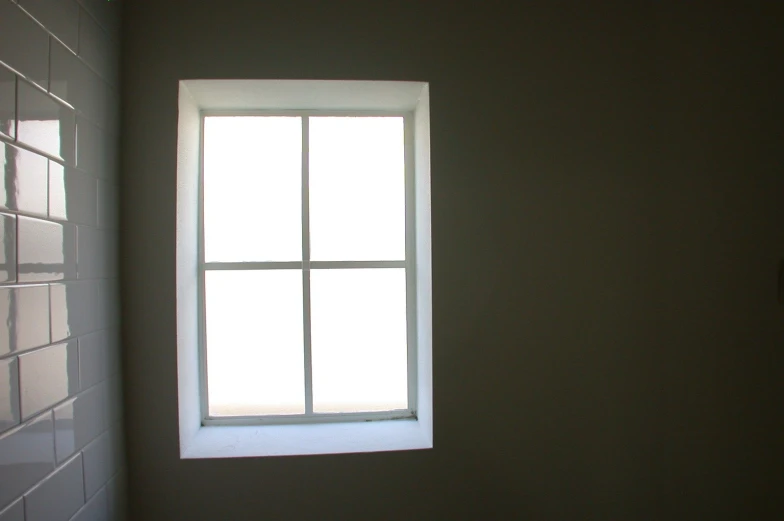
303,267
305,286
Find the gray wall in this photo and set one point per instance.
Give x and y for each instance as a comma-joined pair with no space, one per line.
61,437
607,228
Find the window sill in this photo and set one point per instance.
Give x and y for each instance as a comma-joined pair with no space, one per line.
287,440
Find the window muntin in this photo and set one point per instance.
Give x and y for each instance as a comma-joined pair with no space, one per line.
327,195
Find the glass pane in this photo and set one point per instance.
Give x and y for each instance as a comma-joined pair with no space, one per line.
357,188
252,189
358,329
254,342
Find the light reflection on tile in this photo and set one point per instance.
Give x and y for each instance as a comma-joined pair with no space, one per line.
44,124
47,250
24,318
7,248
24,183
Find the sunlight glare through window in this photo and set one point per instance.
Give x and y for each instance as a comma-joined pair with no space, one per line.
252,189
255,318
357,189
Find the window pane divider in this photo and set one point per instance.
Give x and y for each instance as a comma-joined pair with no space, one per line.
297,265
239,266
337,265
308,358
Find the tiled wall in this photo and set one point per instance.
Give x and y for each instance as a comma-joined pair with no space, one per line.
61,447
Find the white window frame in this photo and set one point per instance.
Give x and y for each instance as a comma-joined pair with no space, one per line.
306,265
201,437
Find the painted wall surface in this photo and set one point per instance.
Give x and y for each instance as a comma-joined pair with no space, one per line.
607,230
61,434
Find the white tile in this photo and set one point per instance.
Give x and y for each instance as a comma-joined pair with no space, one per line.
97,49
116,497
100,462
47,250
61,17
108,204
94,357
113,352
97,509
48,376
24,43
95,253
26,456
7,102
15,512
107,14
43,123
72,195
113,403
27,308
24,173
7,248
97,150
9,393
59,496
108,312
75,308
79,421
74,82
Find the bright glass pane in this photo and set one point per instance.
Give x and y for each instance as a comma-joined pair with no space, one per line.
358,330
357,188
255,360
252,189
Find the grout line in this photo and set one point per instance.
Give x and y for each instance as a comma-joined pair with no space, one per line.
16,107
79,10
78,364
98,22
13,354
21,144
47,90
16,249
49,312
54,471
54,437
28,148
84,480
49,65
19,283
